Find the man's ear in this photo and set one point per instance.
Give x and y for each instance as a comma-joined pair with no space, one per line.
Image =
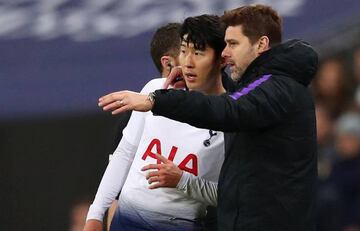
263,44
166,62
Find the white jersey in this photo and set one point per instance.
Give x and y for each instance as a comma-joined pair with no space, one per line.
145,135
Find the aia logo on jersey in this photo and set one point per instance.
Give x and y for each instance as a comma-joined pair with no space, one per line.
190,159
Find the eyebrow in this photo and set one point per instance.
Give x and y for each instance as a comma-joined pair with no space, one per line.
231,40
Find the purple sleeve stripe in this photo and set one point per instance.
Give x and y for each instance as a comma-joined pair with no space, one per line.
236,95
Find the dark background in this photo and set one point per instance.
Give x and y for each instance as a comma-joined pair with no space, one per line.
48,165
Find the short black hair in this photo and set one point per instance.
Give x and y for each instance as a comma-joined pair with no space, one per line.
165,41
204,30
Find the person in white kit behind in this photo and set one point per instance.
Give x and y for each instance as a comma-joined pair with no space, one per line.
144,203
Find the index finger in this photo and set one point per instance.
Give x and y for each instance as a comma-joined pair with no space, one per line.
110,98
162,158
171,79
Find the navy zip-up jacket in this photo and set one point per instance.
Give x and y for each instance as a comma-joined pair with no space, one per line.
268,179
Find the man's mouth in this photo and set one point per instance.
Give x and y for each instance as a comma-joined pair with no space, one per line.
231,64
191,77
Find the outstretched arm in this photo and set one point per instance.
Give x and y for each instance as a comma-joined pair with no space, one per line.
121,101
259,105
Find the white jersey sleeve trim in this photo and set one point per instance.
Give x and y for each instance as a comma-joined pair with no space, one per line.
198,188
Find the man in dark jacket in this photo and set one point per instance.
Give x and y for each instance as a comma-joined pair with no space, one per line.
268,179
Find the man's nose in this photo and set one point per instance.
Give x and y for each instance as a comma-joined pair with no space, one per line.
225,53
189,62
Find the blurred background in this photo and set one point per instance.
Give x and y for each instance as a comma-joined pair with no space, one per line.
58,56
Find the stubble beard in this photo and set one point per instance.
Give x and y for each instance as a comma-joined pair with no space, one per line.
236,74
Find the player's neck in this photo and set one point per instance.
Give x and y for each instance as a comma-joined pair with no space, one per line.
216,87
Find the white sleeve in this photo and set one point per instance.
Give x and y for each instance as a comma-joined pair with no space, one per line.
112,180
119,166
198,188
